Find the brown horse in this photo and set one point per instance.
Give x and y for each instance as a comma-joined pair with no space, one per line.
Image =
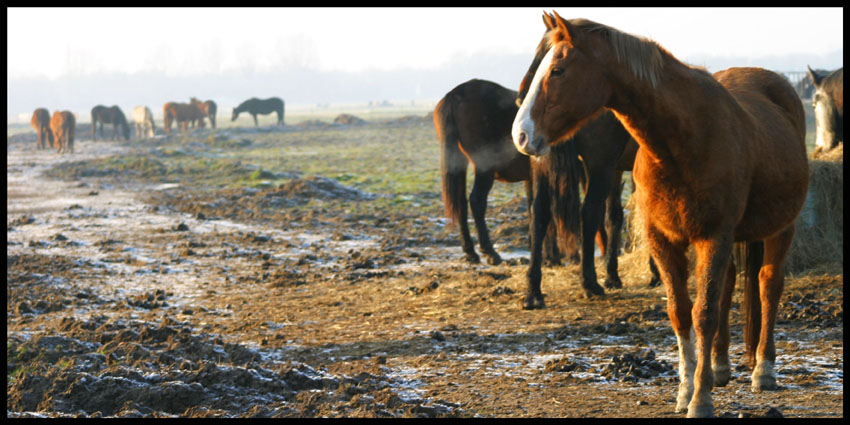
182,113
256,106
41,123
62,125
109,115
828,103
606,150
722,159
472,122
209,108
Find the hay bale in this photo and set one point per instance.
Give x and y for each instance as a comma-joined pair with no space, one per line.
819,234
348,119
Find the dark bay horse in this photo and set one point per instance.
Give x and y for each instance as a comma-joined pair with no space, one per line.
182,114
109,115
41,123
63,125
722,159
256,106
606,150
209,108
828,102
472,122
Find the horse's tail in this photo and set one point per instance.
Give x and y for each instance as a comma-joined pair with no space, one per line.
453,163
752,255
564,172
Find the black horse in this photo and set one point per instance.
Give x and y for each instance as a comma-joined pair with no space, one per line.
256,106
109,115
828,102
473,124
606,150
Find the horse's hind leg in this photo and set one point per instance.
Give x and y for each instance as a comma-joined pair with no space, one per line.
592,214
255,120
771,283
613,224
478,202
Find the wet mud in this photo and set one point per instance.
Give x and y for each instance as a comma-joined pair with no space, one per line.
129,296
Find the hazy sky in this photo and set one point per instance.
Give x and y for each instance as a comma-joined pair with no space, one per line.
50,42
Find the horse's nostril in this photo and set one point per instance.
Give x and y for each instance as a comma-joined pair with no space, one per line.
523,139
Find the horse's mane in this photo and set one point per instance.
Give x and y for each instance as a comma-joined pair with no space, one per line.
643,56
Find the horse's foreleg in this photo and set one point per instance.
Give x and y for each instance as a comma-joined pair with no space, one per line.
673,269
592,214
541,216
713,261
771,283
255,120
478,202
720,354
613,227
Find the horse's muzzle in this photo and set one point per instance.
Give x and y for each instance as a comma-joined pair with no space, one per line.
525,145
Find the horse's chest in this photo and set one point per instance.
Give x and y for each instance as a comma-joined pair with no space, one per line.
667,204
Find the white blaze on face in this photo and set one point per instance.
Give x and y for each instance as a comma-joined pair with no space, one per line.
522,131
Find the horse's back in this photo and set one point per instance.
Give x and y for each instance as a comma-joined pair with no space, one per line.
483,112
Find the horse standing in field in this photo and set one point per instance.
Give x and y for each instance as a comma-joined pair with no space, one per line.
722,159
182,114
41,123
828,102
109,115
606,150
63,125
209,108
143,117
472,122
256,106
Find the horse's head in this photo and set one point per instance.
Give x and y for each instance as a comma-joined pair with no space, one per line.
235,114
563,88
828,104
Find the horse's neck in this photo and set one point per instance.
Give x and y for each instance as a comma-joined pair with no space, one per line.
661,118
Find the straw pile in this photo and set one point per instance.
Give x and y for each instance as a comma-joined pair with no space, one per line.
818,239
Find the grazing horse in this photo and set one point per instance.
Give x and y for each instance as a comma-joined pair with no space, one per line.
109,115
828,102
145,126
722,159
472,122
209,108
256,106
62,125
183,114
41,123
606,150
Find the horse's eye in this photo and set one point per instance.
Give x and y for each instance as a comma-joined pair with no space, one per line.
556,71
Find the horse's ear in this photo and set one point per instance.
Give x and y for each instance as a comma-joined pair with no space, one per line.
814,76
549,21
565,28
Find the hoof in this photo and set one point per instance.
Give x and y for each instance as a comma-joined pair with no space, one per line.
473,258
764,384
615,283
533,302
701,411
654,282
594,291
722,376
493,259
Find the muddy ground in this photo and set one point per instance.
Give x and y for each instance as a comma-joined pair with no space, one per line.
144,295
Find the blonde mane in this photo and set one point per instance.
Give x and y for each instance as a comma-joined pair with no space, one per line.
641,55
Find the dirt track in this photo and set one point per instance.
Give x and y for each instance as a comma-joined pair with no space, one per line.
146,299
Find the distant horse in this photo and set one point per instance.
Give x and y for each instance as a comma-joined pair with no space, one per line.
722,159
209,108
63,125
256,106
472,122
109,115
41,123
828,102
143,117
182,114
606,150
